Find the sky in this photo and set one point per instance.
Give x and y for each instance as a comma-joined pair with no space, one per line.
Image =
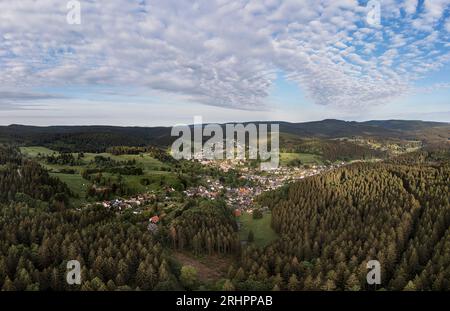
153,62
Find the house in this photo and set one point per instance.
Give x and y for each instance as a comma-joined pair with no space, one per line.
153,228
154,219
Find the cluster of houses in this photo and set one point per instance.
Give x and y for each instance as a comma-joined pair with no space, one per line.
241,198
212,191
120,204
238,198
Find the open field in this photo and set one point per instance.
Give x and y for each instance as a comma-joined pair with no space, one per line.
145,160
263,232
75,182
153,170
33,152
209,268
305,158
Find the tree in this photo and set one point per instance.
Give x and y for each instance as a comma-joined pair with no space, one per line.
352,283
293,283
410,286
228,286
188,277
329,285
240,275
98,285
8,285
250,237
257,214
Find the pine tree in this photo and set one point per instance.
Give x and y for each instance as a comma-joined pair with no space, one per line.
228,286
293,283
410,286
8,285
250,237
188,277
352,283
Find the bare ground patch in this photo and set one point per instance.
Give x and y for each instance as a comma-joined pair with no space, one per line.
209,268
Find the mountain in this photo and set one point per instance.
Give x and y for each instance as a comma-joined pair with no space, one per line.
85,138
402,125
98,138
332,128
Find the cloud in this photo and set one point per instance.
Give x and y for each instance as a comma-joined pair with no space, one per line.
18,100
225,53
434,88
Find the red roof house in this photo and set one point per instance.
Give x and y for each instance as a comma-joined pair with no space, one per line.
154,219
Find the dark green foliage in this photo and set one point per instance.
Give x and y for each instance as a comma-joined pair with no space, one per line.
208,228
35,246
120,150
62,159
85,138
27,181
31,179
251,237
333,150
331,225
257,214
9,154
100,138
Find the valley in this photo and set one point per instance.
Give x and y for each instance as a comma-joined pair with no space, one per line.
138,219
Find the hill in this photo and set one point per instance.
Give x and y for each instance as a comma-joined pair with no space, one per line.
402,125
99,138
331,225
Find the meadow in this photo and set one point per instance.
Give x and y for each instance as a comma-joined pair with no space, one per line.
153,170
304,158
262,230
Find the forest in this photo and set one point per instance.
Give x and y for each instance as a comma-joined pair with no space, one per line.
331,225
328,226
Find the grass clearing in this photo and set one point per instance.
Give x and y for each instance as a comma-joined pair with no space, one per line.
75,182
209,268
262,231
153,169
147,162
305,158
33,152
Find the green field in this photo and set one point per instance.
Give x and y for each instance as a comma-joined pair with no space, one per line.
263,232
147,162
33,152
76,184
153,169
306,158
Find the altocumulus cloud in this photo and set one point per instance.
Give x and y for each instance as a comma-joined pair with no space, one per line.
226,53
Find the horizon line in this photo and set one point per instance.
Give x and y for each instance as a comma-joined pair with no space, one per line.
221,123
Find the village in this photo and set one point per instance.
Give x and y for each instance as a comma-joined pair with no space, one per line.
238,198
242,198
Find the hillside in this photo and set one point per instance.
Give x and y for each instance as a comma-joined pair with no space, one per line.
403,125
324,229
331,225
99,138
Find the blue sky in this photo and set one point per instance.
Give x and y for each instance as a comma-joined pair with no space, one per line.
163,62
